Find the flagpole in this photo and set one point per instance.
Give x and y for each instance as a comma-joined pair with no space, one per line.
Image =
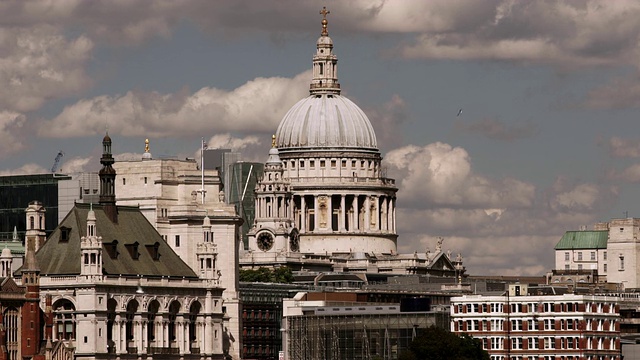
202,169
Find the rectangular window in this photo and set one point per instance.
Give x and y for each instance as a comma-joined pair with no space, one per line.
566,266
579,266
593,255
604,268
312,163
302,164
322,163
579,255
177,240
333,163
621,263
145,180
566,256
344,163
604,255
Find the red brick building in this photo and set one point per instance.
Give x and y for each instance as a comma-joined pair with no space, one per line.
541,327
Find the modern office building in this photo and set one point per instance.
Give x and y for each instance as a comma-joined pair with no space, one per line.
353,325
18,190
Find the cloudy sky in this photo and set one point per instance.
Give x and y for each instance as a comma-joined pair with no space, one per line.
548,139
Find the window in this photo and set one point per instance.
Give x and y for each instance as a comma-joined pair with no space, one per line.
566,256
593,255
579,266
64,234
133,250
549,324
124,181
516,343
177,240
604,255
533,342
145,180
333,163
604,268
322,163
621,268
112,249
579,255
301,164
566,266
344,163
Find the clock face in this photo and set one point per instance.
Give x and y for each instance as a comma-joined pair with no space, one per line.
265,241
294,240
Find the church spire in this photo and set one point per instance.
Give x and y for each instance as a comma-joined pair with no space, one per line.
108,181
325,69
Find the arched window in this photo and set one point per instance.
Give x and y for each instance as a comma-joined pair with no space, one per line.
32,222
64,324
173,314
11,324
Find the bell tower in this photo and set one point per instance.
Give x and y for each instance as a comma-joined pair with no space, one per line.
274,211
91,248
35,213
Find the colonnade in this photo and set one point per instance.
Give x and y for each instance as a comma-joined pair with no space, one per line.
345,213
181,335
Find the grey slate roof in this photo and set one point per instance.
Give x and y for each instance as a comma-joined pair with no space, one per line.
60,257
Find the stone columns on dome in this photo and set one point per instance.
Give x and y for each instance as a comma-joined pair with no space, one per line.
343,215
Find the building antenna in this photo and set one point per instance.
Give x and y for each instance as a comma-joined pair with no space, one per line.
626,214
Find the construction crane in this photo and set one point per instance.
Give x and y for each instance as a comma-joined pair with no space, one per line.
57,161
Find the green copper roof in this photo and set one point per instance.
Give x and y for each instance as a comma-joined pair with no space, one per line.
583,240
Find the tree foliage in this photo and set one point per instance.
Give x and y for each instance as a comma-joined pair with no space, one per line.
282,274
438,344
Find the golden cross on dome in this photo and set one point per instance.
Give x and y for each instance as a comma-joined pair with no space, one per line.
324,13
146,145
273,141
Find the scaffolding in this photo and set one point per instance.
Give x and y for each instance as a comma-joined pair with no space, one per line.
357,336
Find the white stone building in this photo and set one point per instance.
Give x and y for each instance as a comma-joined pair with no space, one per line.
116,288
607,254
169,192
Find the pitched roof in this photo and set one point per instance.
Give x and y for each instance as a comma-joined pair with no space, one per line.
60,256
588,239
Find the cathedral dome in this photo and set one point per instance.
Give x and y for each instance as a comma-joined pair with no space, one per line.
325,120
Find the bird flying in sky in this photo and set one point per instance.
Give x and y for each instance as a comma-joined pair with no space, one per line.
459,112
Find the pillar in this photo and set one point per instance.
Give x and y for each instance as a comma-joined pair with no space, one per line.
329,212
356,214
343,214
367,213
315,213
303,215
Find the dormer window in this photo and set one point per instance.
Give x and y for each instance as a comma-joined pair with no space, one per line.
64,233
134,252
154,251
112,249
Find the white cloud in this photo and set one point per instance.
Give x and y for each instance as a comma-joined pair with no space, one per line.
256,106
38,64
26,169
624,148
439,174
497,224
227,141
10,126
78,165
